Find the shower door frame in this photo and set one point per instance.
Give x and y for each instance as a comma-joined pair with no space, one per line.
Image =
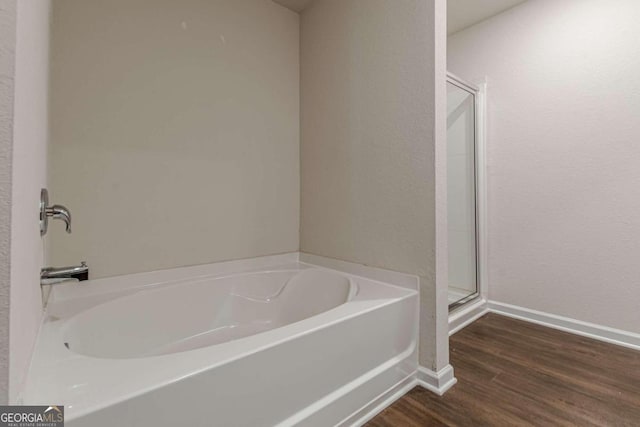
479,97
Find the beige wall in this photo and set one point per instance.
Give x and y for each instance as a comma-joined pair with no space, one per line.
368,151
175,132
563,151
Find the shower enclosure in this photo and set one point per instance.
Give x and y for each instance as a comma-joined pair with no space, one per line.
462,187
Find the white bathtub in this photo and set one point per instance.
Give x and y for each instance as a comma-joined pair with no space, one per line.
260,342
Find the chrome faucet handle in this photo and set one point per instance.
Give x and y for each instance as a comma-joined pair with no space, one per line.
60,212
55,212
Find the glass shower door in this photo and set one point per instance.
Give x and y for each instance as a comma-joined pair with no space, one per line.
461,197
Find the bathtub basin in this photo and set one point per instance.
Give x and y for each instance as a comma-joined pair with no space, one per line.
204,312
261,342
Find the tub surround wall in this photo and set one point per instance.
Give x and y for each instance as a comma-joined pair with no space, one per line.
175,132
367,125
371,191
7,67
29,175
563,155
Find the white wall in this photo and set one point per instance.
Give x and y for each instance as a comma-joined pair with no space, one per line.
368,150
175,132
563,155
30,138
7,66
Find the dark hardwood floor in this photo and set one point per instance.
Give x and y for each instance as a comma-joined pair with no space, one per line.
514,373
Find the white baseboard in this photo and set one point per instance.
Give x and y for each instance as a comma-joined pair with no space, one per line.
467,314
589,330
436,382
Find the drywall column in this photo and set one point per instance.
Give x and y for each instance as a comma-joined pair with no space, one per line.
29,175
7,65
373,178
439,357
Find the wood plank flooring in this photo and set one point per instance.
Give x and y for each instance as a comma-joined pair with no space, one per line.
514,373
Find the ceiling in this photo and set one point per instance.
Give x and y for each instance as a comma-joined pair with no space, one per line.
295,5
465,13
460,13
